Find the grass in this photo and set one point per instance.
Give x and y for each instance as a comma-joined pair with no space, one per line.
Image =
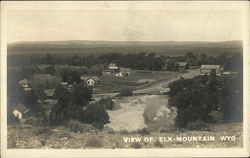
158,144
113,83
94,142
136,145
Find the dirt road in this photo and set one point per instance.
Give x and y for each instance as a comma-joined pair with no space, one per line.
157,86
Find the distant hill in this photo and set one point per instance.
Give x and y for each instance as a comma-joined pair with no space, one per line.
101,47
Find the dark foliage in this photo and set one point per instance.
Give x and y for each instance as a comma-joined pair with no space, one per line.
81,95
126,92
107,103
196,98
94,113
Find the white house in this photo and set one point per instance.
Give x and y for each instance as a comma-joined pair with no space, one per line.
125,71
119,74
24,83
19,111
90,81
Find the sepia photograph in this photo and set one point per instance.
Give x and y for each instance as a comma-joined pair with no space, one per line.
124,75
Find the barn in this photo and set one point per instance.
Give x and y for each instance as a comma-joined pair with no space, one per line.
207,69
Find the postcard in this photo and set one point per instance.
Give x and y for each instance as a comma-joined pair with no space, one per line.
124,78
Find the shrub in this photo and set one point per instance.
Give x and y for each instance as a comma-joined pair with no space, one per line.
165,130
126,92
109,130
143,131
124,131
95,113
158,144
107,103
42,130
78,126
136,145
197,125
94,142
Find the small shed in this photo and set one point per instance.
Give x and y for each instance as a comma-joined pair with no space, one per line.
20,110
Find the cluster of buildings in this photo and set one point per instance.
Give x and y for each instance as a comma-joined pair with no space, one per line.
116,70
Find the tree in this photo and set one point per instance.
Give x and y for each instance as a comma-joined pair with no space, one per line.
171,65
96,69
62,110
30,99
50,70
81,95
190,58
95,113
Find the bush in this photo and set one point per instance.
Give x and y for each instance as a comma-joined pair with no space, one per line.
126,92
94,142
45,131
158,144
166,130
95,113
78,126
136,145
197,125
124,131
107,103
143,131
109,130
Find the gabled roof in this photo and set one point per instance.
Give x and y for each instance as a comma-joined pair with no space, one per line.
49,92
85,78
21,108
94,78
23,81
210,66
182,63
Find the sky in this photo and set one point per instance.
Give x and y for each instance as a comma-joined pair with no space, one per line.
124,25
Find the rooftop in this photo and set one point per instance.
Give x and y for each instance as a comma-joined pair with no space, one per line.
21,108
182,63
23,81
210,66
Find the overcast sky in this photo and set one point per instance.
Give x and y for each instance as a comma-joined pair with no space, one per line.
124,25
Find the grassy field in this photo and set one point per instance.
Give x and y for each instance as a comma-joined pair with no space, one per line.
112,83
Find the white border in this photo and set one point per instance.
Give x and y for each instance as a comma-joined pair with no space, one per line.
183,152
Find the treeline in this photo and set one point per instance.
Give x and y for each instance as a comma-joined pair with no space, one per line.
196,98
140,61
